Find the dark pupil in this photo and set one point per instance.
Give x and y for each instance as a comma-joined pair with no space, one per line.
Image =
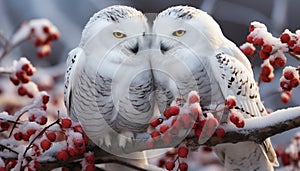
118,34
179,31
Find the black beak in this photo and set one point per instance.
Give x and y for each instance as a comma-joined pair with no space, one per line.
163,48
135,49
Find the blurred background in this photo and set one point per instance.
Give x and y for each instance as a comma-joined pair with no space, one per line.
234,17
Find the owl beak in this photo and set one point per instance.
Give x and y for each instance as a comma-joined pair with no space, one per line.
135,48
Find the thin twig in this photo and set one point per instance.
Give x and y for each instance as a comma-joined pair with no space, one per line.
3,146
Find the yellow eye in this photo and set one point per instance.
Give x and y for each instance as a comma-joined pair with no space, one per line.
179,33
119,35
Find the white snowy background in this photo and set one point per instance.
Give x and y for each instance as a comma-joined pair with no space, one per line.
234,16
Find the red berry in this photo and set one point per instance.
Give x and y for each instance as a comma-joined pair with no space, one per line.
155,122
22,91
251,28
285,38
30,131
194,99
230,102
220,132
294,83
266,78
37,165
63,155
73,151
25,137
291,43
78,128
167,138
51,136
167,114
183,166
42,120
161,163
90,167
264,55
66,123
155,135
163,128
31,117
169,165
186,119
296,50
202,123
249,39
266,70
182,152
248,51
18,136
25,67
267,48
177,125
174,110
212,122
289,75
240,124
198,132
149,144
30,72
280,61
285,159
45,99
258,41
78,142
234,119
45,144
90,158
285,96
207,149
14,80
46,29
5,125
285,85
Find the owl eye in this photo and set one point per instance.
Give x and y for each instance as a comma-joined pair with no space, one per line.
179,33
119,35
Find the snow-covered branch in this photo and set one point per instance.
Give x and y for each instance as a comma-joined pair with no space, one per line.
255,129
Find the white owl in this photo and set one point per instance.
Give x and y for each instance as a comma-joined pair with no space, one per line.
108,83
193,54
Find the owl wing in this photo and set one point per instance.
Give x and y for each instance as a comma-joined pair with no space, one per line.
72,63
235,79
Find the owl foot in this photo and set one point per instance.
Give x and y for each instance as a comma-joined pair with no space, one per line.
125,137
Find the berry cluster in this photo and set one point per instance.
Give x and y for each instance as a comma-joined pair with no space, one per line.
175,158
181,117
288,81
271,47
290,156
88,162
42,32
20,76
272,51
39,139
234,116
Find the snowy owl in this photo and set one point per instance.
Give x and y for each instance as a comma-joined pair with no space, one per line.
108,83
189,53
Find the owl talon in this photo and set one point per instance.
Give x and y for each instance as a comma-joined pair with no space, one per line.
125,137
